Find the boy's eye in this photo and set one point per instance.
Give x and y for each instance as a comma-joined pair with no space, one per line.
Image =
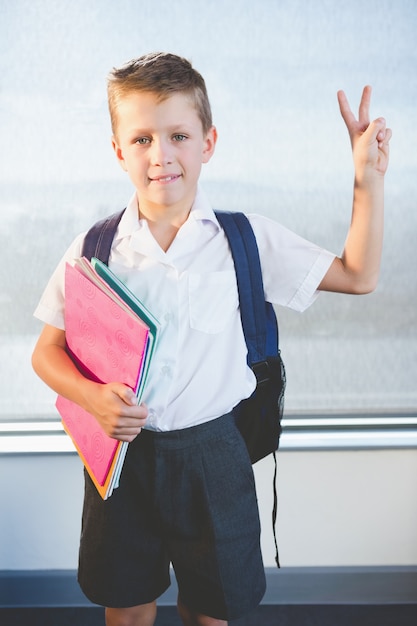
179,137
142,140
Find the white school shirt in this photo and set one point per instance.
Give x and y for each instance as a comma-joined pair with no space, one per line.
199,371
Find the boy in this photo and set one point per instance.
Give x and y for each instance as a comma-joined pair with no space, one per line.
186,494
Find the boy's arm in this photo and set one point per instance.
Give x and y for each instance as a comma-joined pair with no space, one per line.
357,270
113,405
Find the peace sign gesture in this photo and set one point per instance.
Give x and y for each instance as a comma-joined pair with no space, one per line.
370,140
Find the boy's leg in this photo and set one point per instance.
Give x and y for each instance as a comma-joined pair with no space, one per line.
191,618
205,494
123,561
145,614
142,615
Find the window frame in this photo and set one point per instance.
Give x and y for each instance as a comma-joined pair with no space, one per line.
308,432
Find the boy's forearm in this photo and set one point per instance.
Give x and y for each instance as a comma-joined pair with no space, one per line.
362,253
53,365
356,271
114,405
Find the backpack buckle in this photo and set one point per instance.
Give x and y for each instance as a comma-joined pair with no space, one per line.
262,372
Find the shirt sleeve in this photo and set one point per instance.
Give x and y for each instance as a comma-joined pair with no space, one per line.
292,267
51,307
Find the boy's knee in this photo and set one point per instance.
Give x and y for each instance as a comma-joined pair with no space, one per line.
191,618
141,615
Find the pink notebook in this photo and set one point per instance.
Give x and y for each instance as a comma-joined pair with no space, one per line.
102,456
108,342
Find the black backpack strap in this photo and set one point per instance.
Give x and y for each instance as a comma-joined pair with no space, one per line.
99,238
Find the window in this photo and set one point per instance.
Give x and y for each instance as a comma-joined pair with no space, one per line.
272,72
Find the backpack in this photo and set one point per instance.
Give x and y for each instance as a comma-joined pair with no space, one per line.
259,416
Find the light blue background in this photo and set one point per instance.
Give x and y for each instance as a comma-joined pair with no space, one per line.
272,69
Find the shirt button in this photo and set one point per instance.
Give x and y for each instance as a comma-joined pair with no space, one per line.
166,371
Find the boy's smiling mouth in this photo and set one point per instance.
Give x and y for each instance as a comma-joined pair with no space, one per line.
168,178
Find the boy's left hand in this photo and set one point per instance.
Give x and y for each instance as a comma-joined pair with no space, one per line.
370,140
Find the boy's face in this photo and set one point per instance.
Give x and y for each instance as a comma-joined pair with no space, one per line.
161,145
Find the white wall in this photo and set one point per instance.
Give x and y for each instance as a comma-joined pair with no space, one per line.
335,508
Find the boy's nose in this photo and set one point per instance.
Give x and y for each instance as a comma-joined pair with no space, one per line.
161,153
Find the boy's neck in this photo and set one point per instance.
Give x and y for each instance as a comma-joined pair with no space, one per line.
164,221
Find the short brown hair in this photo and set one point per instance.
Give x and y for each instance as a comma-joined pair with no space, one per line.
162,74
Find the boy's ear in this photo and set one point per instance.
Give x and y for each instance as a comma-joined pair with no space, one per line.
210,144
118,152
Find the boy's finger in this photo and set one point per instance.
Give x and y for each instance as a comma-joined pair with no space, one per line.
345,108
364,106
377,129
127,395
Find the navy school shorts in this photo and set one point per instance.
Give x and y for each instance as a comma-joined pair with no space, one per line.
186,497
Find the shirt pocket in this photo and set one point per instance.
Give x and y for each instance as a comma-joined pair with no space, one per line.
213,300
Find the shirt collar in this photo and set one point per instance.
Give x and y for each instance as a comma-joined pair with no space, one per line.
201,210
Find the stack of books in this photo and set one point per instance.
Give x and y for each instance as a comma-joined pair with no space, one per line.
111,337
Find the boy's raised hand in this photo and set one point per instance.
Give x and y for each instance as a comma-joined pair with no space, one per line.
370,140
356,271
